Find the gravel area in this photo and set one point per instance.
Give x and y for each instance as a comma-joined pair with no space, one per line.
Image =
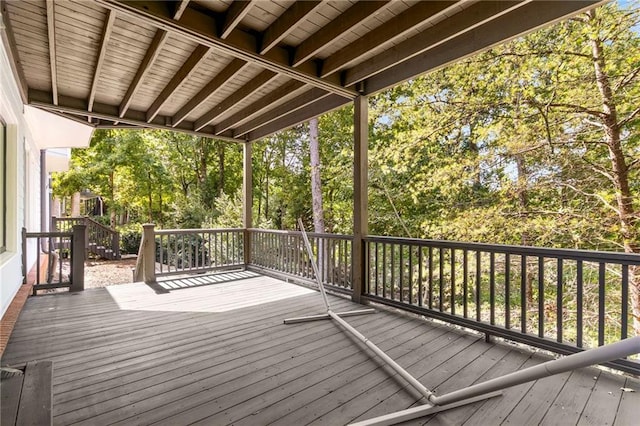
101,273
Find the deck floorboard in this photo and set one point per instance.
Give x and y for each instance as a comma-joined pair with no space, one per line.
214,350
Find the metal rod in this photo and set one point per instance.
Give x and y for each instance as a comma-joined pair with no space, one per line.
326,316
594,356
386,358
419,411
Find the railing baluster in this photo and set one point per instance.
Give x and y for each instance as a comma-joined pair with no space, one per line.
401,270
492,288
478,284
625,302
465,284
559,304
541,296
420,276
430,277
601,304
523,294
393,270
452,253
410,280
579,307
507,291
384,263
441,279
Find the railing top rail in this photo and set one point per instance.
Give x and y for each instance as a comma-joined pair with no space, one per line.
311,234
588,255
48,234
98,224
195,231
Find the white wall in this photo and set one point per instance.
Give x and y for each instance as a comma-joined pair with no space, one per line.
23,171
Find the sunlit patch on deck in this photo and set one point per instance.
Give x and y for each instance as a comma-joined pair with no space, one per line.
207,293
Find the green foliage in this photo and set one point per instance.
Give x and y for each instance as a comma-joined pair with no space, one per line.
130,237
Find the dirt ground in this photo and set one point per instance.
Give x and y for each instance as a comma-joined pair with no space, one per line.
101,273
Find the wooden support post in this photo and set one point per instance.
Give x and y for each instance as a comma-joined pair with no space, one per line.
78,250
360,197
148,253
247,201
24,256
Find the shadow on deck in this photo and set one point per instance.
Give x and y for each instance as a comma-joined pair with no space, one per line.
217,352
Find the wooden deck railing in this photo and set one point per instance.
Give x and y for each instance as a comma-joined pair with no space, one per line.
65,255
556,299
101,240
559,300
283,252
188,251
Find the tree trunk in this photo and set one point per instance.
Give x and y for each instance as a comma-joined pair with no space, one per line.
619,168
112,207
316,195
220,168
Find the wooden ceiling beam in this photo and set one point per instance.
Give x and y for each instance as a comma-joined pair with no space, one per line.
186,70
76,106
51,35
295,104
199,27
286,23
149,58
6,33
259,106
357,13
102,50
234,14
327,104
394,28
508,26
464,21
245,91
231,70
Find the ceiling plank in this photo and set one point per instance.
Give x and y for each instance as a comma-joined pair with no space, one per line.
286,23
181,6
247,90
201,28
327,104
295,104
8,39
334,29
76,106
51,34
520,21
149,58
233,16
464,21
102,50
185,71
231,70
395,27
259,106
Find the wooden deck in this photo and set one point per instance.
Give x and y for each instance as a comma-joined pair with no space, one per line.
214,350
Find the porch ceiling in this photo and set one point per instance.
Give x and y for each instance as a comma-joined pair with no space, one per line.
241,70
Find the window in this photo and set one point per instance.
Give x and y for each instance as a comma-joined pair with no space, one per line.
3,187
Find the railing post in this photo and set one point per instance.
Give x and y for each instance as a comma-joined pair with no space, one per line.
360,201
247,201
148,251
77,257
24,255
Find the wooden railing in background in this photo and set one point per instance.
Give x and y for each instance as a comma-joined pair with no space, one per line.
65,256
556,299
167,252
283,252
101,240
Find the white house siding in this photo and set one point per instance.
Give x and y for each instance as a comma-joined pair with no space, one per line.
23,189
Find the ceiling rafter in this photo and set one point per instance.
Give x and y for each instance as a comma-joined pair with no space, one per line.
334,29
6,33
77,106
245,114
314,109
186,70
466,20
394,28
245,91
493,32
102,51
231,70
234,14
286,23
149,58
201,28
295,104
51,36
